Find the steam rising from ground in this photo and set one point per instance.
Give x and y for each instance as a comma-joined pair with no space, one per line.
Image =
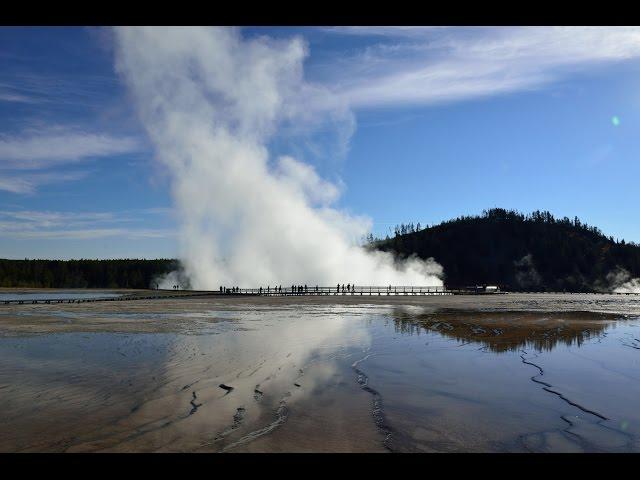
620,281
211,101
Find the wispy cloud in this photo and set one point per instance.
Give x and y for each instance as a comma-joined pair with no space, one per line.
43,149
52,225
385,31
15,97
41,219
16,185
91,234
59,89
28,183
414,65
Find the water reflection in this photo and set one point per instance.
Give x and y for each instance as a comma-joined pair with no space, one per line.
205,375
507,331
162,392
63,295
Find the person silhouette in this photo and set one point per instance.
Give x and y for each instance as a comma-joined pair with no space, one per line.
348,287
305,288
338,288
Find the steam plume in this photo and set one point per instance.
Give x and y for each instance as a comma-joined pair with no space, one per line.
211,101
621,281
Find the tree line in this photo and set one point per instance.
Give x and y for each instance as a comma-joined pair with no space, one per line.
125,273
534,251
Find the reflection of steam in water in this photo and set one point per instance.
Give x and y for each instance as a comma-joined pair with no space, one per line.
507,331
269,363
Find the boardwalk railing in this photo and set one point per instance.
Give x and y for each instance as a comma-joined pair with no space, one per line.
357,290
265,291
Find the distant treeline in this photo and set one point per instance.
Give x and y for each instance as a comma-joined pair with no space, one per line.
504,247
520,252
83,273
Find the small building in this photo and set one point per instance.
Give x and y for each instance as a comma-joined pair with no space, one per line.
487,289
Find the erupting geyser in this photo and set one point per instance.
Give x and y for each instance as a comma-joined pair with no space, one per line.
210,101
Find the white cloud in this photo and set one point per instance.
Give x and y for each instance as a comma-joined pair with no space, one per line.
28,183
15,97
90,234
413,65
48,218
16,185
53,225
386,31
42,149
71,89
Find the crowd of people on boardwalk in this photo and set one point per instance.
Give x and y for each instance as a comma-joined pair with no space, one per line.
294,289
350,288
306,290
229,290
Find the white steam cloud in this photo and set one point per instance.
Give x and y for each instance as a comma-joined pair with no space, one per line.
211,100
620,281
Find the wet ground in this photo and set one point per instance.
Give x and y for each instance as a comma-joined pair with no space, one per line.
58,294
507,373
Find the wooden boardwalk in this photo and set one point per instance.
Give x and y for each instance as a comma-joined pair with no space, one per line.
265,292
130,297
342,290
286,292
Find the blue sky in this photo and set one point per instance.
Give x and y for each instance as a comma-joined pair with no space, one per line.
442,122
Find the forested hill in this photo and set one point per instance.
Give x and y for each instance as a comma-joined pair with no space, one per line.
516,251
83,273
520,252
